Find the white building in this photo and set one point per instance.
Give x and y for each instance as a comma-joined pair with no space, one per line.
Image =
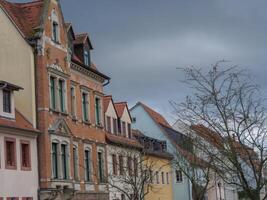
123,150
18,149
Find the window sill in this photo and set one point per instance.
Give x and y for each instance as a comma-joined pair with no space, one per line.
56,42
9,167
26,169
58,112
86,122
100,126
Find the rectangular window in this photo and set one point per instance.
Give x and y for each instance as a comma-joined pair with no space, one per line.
12,198
73,102
53,93
7,101
85,106
129,165
61,93
55,32
55,160
100,166
108,124
179,176
75,163
115,126
121,165
119,126
10,147
123,197
167,178
87,165
98,110
86,58
162,178
25,155
129,130
64,161
114,164
123,129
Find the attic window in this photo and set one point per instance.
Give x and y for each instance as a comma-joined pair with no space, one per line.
55,32
134,119
7,101
86,58
55,27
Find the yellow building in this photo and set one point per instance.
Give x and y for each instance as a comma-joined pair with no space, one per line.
158,162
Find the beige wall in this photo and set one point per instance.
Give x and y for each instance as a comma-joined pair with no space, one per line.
17,66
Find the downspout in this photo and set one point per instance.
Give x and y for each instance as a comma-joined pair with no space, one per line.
108,81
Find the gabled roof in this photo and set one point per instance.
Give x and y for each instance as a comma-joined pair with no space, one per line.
107,99
26,16
123,141
119,107
158,118
20,122
82,38
70,28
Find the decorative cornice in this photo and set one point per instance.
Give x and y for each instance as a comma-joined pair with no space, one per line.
86,72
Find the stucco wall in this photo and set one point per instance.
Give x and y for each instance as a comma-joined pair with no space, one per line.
181,191
17,66
18,183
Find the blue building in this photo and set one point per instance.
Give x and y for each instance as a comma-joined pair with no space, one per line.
154,125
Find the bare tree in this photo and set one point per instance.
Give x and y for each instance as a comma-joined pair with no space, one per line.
133,176
230,108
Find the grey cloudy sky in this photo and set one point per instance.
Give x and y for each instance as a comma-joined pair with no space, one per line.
140,43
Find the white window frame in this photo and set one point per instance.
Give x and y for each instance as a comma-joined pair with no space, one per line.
12,98
87,105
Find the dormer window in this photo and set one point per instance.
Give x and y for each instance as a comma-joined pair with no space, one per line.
7,105
7,101
86,58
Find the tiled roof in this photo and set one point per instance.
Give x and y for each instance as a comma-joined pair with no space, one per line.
26,16
20,122
123,141
158,118
80,38
106,101
120,108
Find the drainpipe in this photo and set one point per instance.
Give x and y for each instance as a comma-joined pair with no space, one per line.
106,83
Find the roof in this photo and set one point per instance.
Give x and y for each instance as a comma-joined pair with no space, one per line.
106,101
123,141
10,86
20,122
81,39
26,16
120,106
158,118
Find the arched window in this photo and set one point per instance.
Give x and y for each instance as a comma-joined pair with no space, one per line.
55,27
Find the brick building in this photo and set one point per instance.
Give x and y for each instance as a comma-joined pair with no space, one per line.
69,102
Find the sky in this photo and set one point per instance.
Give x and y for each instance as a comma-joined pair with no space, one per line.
141,43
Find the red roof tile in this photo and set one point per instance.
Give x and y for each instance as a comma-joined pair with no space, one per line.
120,108
123,141
106,101
158,118
26,16
20,122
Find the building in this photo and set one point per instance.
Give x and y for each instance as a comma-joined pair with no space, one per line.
159,161
54,65
152,124
123,149
18,149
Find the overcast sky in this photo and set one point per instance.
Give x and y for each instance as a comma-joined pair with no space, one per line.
140,43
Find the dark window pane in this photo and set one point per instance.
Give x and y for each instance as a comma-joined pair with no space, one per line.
7,101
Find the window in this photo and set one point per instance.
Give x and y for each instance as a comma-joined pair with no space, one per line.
10,147
55,33
114,164
26,198
85,106
55,160
100,166
119,126
64,161
86,58
53,92
129,130
87,165
162,178
109,124
98,110
121,165
122,197
129,165
75,163
61,93
115,125
73,102
12,198
157,177
25,155
7,101
151,176
135,167
123,129
179,176
167,178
